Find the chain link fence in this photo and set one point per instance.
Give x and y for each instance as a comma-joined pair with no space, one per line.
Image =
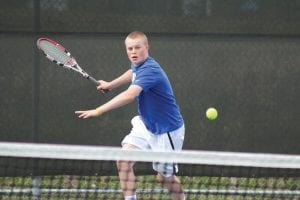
261,17
240,56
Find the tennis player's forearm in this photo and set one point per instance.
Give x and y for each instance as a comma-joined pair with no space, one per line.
121,80
118,101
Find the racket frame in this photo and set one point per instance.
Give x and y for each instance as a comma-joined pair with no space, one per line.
70,64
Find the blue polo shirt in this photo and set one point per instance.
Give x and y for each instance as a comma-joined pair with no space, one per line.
156,103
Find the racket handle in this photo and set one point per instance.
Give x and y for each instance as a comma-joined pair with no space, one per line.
95,81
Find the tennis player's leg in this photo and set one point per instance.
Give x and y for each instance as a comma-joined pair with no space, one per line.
173,184
126,175
172,141
136,139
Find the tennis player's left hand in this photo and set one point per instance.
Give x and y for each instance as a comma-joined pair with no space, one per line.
87,113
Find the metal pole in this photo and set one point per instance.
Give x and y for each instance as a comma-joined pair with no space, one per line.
35,96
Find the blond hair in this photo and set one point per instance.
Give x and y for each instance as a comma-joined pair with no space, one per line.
137,34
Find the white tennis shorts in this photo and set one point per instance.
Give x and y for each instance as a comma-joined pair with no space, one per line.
144,139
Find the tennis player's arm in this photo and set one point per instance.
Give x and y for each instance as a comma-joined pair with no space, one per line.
121,80
122,99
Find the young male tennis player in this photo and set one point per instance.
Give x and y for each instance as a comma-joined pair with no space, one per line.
159,125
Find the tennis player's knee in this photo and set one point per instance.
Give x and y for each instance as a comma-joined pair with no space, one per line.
160,178
124,165
163,179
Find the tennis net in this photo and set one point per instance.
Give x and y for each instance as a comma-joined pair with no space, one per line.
48,171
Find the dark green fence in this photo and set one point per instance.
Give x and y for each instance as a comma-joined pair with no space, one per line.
240,56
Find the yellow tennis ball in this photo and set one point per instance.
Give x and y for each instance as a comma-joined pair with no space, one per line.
211,113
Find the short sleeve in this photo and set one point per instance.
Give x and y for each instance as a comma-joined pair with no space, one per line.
146,77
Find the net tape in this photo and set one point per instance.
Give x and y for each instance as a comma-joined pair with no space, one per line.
79,152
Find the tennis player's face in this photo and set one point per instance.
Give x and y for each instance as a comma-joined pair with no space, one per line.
137,50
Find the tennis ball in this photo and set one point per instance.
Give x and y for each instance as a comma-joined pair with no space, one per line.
211,113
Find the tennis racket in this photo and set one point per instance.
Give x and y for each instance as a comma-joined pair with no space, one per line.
60,56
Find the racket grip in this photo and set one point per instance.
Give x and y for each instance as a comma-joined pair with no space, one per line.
95,81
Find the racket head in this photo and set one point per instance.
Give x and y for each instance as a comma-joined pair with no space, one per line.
56,52
59,55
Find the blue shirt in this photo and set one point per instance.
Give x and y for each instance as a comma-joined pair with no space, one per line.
156,103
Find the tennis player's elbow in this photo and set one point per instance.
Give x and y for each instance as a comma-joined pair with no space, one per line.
130,94
129,97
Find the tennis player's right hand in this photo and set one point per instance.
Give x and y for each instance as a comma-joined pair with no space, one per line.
87,113
103,86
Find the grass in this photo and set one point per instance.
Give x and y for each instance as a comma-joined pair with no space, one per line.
107,187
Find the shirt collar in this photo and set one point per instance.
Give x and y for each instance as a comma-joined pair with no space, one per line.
138,65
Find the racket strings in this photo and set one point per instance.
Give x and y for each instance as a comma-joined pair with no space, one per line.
55,53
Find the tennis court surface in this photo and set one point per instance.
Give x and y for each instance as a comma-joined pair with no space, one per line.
44,171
